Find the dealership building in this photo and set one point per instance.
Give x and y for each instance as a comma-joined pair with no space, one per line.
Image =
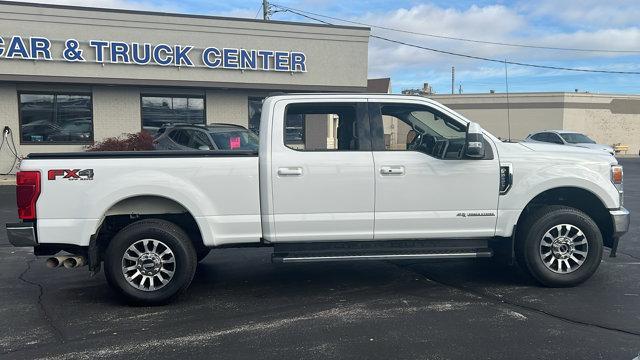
71,76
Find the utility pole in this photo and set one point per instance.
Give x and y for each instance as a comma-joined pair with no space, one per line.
453,79
265,9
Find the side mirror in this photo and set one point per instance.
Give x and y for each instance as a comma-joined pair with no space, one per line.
474,144
203,147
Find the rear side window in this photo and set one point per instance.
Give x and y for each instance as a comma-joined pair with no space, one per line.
323,127
235,140
180,137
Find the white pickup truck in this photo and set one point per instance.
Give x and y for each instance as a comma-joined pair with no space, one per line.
337,177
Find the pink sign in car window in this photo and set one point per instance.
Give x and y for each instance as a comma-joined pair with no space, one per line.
234,143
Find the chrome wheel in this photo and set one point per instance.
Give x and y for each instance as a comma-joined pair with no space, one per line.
564,248
148,265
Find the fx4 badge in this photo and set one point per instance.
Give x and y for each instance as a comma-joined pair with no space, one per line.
70,174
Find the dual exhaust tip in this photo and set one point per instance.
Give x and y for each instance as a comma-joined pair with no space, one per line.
68,262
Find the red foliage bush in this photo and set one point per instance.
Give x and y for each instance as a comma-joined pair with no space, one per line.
128,142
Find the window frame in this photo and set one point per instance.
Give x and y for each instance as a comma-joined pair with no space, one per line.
55,107
377,129
255,99
362,120
166,95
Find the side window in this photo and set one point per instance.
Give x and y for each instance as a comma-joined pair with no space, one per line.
554,138
538,137
180,137
322,127
420,128
198,140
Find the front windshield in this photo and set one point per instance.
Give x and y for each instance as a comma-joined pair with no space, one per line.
575,138
235,140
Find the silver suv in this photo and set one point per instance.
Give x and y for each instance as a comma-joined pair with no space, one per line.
570,138
205,137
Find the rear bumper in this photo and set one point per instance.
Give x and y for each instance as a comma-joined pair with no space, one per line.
22,234
620,219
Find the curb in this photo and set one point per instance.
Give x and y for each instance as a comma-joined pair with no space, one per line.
7,180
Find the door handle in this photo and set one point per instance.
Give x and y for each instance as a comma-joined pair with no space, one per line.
392,170
290,171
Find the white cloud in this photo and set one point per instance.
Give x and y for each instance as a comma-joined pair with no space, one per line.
586,13
491,23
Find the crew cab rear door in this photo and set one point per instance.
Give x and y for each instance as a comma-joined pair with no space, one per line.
425,187
322,171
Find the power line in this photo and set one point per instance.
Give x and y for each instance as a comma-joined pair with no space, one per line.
476,57
297,11
505,61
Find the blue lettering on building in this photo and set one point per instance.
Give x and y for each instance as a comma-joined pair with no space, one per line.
141,57
118,52
211,57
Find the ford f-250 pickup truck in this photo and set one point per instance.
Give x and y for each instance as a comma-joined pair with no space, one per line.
336,177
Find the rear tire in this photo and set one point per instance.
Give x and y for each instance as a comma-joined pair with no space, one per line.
150,261
559,246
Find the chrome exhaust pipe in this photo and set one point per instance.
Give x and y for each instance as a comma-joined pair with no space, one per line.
74,262
55,261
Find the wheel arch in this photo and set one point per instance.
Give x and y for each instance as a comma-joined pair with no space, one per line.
575,197
127,210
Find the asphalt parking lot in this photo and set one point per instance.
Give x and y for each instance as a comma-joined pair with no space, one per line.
240,305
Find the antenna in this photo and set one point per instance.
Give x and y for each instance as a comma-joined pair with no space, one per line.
506,83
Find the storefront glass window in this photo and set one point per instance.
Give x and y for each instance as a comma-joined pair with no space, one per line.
160,110
56,118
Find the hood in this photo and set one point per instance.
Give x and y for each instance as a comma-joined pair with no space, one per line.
600,147
553,152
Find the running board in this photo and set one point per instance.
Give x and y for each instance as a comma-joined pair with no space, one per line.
302,258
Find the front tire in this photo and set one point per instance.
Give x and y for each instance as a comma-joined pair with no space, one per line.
150,261
559,246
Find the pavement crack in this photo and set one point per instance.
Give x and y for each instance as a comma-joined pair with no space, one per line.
629,255
57,333
513,304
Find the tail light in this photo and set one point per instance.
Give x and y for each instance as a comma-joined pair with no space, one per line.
27,192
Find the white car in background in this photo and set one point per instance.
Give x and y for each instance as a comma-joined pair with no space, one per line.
570,138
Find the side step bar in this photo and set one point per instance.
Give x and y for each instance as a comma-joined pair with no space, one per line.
310,257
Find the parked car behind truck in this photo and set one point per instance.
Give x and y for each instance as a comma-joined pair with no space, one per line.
374,177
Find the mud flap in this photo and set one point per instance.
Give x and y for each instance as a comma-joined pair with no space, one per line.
93,256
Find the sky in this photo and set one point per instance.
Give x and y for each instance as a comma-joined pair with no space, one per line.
583,24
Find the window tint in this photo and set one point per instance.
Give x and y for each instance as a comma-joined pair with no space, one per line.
554,138
56,118
419,128
198,140
576,138
539,137
180,137
321,127
160,110
239,139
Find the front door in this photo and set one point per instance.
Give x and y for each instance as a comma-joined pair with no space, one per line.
322,173
425,187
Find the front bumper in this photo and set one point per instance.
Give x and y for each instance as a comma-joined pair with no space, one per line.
22,234
620,219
